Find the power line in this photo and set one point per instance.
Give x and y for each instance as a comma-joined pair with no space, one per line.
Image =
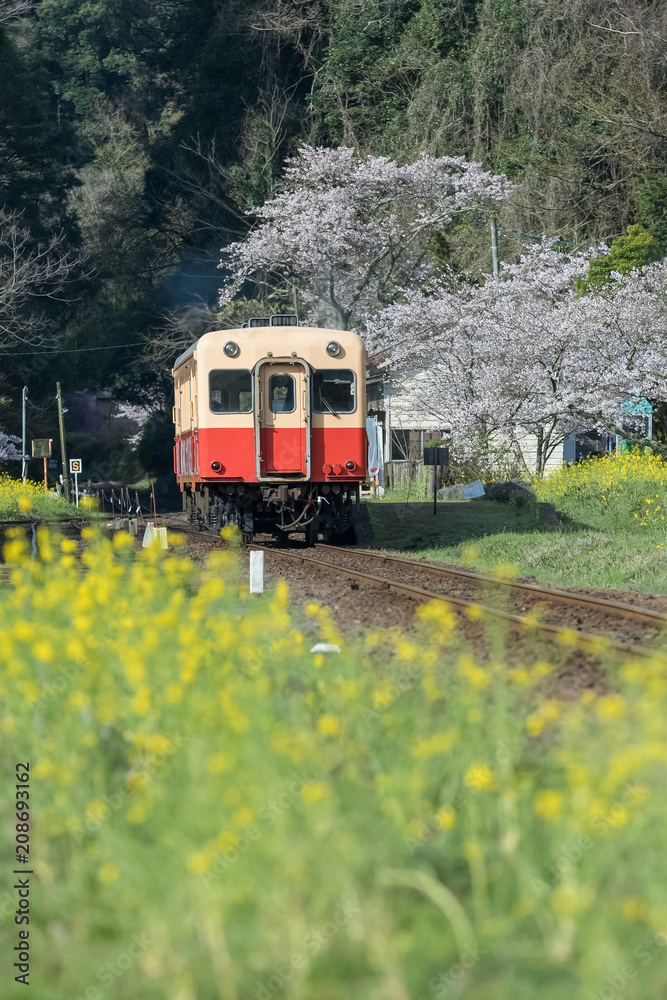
534,237
70,350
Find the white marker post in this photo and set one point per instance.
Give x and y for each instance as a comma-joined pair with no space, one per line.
256,572
75,469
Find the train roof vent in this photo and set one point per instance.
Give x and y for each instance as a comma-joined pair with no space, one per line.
282,319
285,319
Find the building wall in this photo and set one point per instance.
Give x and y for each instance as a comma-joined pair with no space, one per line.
403,411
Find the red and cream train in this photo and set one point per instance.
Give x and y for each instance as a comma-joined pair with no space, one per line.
271,428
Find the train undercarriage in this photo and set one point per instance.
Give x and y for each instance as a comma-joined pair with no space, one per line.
313,509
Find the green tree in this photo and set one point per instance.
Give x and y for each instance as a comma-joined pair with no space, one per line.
651,201
635,250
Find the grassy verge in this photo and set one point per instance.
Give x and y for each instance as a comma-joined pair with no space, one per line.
612,534
484,533
217,812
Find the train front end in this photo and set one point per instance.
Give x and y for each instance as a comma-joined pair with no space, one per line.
271,430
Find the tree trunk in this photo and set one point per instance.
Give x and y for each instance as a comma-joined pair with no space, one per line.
539,462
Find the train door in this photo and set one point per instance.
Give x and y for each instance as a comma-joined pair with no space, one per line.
283,419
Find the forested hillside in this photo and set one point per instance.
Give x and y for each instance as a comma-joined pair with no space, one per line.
140,132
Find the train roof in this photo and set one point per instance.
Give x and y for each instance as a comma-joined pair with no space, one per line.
186,354
261,330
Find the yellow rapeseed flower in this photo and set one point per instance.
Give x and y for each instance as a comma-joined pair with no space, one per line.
610,707
243,817
445,818
480,777
108,873
548,804
315,791
218,762
327,725
436,744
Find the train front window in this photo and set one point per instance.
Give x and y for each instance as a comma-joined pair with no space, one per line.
282,393
334,391
230,391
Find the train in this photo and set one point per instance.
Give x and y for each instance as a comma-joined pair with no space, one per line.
270,429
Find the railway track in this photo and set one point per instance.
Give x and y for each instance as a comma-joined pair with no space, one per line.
585,622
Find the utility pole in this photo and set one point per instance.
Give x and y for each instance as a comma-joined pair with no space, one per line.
63,450
24,457
494,246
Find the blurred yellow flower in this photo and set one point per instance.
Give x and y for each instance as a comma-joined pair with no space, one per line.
108,873
218,762
436,744
137,813
479,777
315,791
548,804
610,707
635,910
445,818
243,817
327,725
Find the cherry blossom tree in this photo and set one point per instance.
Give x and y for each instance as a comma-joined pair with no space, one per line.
9,450
348,232
526,353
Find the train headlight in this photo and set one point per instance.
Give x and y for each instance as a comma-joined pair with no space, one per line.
231,349
350,465
333,348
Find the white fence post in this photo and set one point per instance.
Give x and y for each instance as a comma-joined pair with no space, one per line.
256,572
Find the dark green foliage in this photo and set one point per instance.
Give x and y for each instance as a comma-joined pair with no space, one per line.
155,449
37,152
651,200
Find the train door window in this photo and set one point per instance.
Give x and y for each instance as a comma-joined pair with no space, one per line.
334,390
282,393
230,391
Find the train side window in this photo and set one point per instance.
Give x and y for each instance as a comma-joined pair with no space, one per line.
334,389
230,391
282,393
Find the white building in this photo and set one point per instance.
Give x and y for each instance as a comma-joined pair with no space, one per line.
404,429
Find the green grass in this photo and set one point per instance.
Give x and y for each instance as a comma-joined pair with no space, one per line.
484,533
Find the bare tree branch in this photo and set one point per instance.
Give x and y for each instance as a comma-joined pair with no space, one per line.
30,272
14,10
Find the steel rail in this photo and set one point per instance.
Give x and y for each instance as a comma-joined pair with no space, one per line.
584,640
616,608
